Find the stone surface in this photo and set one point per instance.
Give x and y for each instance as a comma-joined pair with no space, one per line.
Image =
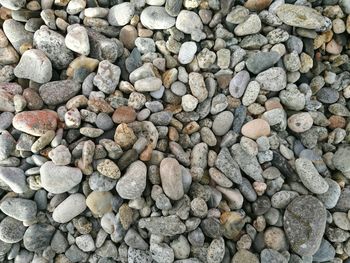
71,207
155,17
273,79
57,92
171,178
256,128
19,208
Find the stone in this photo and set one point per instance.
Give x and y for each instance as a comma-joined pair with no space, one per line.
59,179
121,14
134,240
304,224
331,197
228,166
11,230
7,144
69,208
341,220
8,56
109,169
173,7
14,178
244,255
326,252
57,92
13,5
124,136
53,45
340,158
261,61
270,255
311,19
187,52
19,208
38,236
327,95
155,17
165,225
272,79
148,84
239,83
162,252
251,25
189,22
256,128
77,40
16,33
107,77
222,123
99,203
85,243
300,122
171,178
34,65
132,184
75,6
197,86
60,155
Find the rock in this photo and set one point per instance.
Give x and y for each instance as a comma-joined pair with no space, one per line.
173,7
19,208
13,5
77,40
85,243
132,184
60,155
102,47
341,220
121,14
222,123
340,158
162,252
11,230
166,225
251,25
38,236
99,203
190,23
327,95
181,247
71,207
189,103
7,144
148,84
256,128
300,122
257,5
171,178
59,179
331,197
107,77
16,33
8,56
197,86
261,61
304,224
109,169
155,17
239,83
244,255
75,6
326,252
53,45
272,79
134,240
187,52
124,136
14,178
270,255
34,65
57,92
226,164
124,114
311,19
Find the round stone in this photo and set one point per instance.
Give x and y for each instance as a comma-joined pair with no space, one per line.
60,155
38,236
124,114
155,17
171,178
300,122
256,128
99,203
19,208
11,230
120,15
222,123
57,92
239,83
189,103
187,52
272,79
71,207
77,40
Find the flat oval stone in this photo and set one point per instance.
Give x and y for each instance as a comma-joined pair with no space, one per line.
59,179
222,123
327,95
239,83
302,16
71,207
171,177
272,79
256,128
11,230
300,122
132,184
16,33
99,203
304,224
14,177
19,208
35,123
38,236
155,17
261,61
57,92
187,52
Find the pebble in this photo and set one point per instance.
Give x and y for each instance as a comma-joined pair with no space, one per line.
99,203
14,178
222,123
239,83
311,19
107,77
19,208
228,166
60,155
244,255
71,207
171,178
132,184
57,92
251,25
189,103
34,65
156,17
162,252
77,40
121,14
190,23
261,61
59,179
164,225
300,122
273,79
304,224
85,243
7,144
13,5
148,84
38,236
197,86
187,52
11,230
340,158
327,95
16,33
256,128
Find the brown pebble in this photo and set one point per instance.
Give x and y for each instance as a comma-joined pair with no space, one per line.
336,122
127,36
34,101
124,114
257,5
273,104
146,155
256,128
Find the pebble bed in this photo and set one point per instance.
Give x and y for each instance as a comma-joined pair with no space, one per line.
187,131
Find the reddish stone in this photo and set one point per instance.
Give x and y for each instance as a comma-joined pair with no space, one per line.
35,122
336,122
124,114
257,5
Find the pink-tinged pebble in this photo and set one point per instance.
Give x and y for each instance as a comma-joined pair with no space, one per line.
256,128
